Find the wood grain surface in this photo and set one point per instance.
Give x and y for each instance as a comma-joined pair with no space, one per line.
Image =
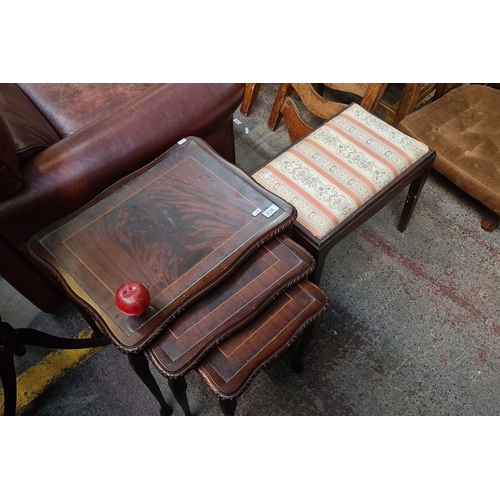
230,367
180,227
274,267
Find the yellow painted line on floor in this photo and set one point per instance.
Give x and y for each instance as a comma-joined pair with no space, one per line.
32,382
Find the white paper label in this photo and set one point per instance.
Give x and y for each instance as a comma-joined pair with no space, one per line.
270,211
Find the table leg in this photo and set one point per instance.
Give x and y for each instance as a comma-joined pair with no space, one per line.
178,386
228,406
301,347
140,365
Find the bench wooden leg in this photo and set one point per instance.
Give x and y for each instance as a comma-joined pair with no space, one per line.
320,257
411,200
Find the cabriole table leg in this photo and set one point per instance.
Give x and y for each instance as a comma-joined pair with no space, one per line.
178,386
140,365
228,406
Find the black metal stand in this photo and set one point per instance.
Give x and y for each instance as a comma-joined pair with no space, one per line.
13,342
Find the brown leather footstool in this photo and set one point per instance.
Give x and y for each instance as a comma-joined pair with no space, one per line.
229,368
462,127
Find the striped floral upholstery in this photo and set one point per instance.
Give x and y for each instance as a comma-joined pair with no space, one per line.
338,167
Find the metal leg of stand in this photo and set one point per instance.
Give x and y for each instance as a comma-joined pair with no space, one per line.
13,342
8,378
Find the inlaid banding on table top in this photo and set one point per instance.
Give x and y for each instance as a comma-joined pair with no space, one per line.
161,262
274,267
116,232
229,367
179,228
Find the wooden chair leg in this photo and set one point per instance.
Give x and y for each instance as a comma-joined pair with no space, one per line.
440,91
490,222
251,94
285,90
411,200
228,406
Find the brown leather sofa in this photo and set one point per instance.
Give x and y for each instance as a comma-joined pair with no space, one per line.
63,144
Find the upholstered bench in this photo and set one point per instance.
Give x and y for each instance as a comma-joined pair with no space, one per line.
341,174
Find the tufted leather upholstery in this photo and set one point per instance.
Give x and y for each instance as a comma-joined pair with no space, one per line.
61,145
463,127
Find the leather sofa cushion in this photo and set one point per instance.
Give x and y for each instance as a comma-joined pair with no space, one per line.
69,107
62,178
29,129
463,127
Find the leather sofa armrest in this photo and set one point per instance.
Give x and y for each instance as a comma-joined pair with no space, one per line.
70,173
10,178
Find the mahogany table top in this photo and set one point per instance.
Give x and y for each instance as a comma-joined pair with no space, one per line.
180,227
273,268
229,368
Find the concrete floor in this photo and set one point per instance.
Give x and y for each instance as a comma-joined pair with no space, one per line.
412,326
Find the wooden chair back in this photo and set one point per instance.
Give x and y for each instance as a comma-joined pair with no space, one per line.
310,96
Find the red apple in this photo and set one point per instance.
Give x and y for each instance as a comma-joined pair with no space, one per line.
132,298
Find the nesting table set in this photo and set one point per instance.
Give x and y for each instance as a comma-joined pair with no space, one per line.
229,289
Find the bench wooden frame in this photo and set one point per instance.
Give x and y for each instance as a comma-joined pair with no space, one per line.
414,176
